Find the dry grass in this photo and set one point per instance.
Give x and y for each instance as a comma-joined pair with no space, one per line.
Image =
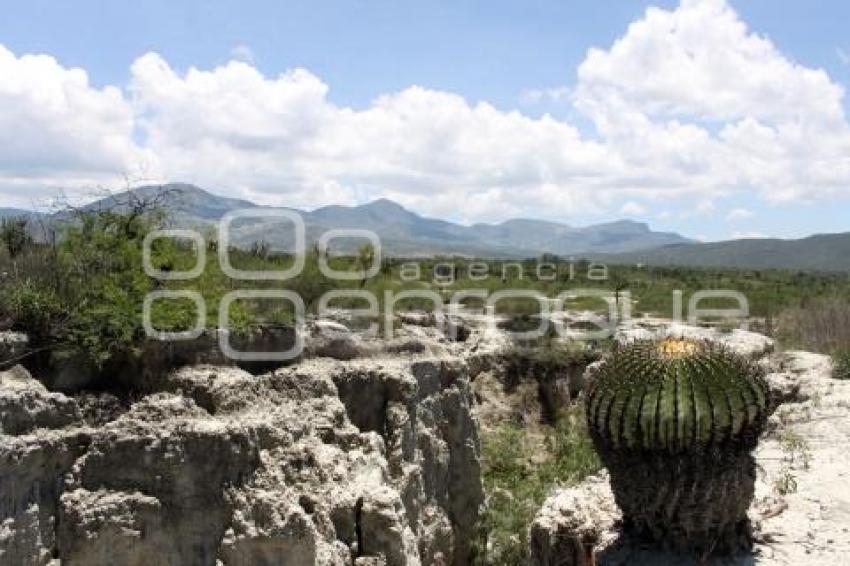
820,326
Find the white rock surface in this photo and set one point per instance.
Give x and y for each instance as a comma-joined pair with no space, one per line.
573,523
325,462
25,404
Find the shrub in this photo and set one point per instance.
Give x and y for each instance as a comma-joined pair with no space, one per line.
15,235
85,296
520,473
35,309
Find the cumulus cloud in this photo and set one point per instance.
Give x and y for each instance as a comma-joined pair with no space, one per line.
57,130
280,137
712,103
748,235
688,104
701,61
242,52
632,208
552,94
739,214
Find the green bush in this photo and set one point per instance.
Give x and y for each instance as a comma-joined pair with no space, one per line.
15,236
520,473
84,294
32,308
108,322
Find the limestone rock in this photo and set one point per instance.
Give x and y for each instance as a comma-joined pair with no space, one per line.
369,461
97,409
12,344
116,527
573,522
25,404
32,468
326,338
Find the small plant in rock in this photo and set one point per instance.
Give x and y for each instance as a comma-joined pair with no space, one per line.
675,422
786,482
795,452
795,449
841,365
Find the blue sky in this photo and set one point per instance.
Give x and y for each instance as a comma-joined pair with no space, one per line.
516,57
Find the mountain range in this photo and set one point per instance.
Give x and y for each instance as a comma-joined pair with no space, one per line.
405,233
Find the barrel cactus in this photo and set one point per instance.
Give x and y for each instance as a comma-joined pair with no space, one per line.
676,422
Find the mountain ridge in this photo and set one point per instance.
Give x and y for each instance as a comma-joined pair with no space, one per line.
818,252
404,233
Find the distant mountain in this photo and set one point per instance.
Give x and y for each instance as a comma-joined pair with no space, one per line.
403,232
14,212
823,252
183,201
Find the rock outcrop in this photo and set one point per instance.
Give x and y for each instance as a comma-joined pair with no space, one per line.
25,404
324,462
12,345
573,523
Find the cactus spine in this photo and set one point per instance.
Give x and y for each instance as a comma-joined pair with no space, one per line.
675,422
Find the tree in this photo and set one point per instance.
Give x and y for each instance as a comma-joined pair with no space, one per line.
620,283
15,236
86,295
365,257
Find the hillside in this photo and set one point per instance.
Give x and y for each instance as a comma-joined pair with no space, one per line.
822,252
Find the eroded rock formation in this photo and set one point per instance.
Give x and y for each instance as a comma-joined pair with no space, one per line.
323,462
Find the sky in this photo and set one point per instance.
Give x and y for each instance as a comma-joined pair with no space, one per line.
713,118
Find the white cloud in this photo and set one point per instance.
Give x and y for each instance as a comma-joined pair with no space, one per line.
701,61
710,101
538,95
747,235
633,208
843,56
703,207
242,53
232,126
739,214
688,105
58,130
706,207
